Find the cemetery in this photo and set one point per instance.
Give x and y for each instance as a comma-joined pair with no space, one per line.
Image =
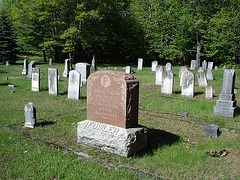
162,122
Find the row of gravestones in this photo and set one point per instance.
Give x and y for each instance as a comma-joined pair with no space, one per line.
112,112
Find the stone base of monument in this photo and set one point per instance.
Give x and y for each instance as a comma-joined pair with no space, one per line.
121,141
224,111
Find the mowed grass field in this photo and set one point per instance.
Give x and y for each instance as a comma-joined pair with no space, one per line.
176,146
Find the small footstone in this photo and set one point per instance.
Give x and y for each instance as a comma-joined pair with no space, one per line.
183,113
211,130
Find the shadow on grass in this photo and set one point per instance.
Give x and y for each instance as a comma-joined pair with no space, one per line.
45,123
157,139
198,93
4,84
63,93
83,97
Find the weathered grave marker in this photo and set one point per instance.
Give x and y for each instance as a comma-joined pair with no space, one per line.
211,130
202,80
140,64
204,65
187,84
50,61
167,82
128,69
93,64
112,113
182,70
30,115
25,66
226,105
67,68
210,65
209,92
84,69
154,65
193,65
168,66
209,75
35,79
30,66
74,84
53,81
159,74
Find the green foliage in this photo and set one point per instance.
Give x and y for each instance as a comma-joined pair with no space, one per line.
7,44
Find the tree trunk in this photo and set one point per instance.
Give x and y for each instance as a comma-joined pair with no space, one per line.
44,56
199,47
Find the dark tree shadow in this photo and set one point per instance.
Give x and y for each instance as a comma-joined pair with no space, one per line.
158,138
4,84
83,97
63,93
177,92
45,123
197,93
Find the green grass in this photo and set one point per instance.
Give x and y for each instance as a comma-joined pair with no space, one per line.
176,148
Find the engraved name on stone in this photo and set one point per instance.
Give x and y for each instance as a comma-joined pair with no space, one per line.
102,128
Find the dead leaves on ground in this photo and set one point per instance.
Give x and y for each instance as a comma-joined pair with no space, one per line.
215,153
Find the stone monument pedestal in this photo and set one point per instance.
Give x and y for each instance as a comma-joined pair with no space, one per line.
117,140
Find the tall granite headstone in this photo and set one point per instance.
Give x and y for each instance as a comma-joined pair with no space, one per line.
30,115
74,84
167,82
140,64
35,79
53,81
187,84
112,114
159,74
30,66
84,69
67,68
154,65
25,66
93,64
202,80
227,105
193,65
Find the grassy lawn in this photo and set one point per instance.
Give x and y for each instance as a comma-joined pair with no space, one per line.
176,148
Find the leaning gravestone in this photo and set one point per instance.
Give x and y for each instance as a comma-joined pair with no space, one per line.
193,65
30,66
154,65
226,105
25,66
140,64
210,65
182,70
93,64
187,84
74,84
30,115
67,68
167,82
204,65
112,114
209,75
53,81
84,69
128,69
209,92
202,80
35,79
159,74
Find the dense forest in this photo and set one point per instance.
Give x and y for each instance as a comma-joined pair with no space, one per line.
120,31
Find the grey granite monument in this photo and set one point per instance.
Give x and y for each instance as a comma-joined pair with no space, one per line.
30,66
25,66
226,105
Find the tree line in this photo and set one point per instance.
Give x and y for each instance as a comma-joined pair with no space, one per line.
120,31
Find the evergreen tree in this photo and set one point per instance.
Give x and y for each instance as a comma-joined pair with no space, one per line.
7,43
